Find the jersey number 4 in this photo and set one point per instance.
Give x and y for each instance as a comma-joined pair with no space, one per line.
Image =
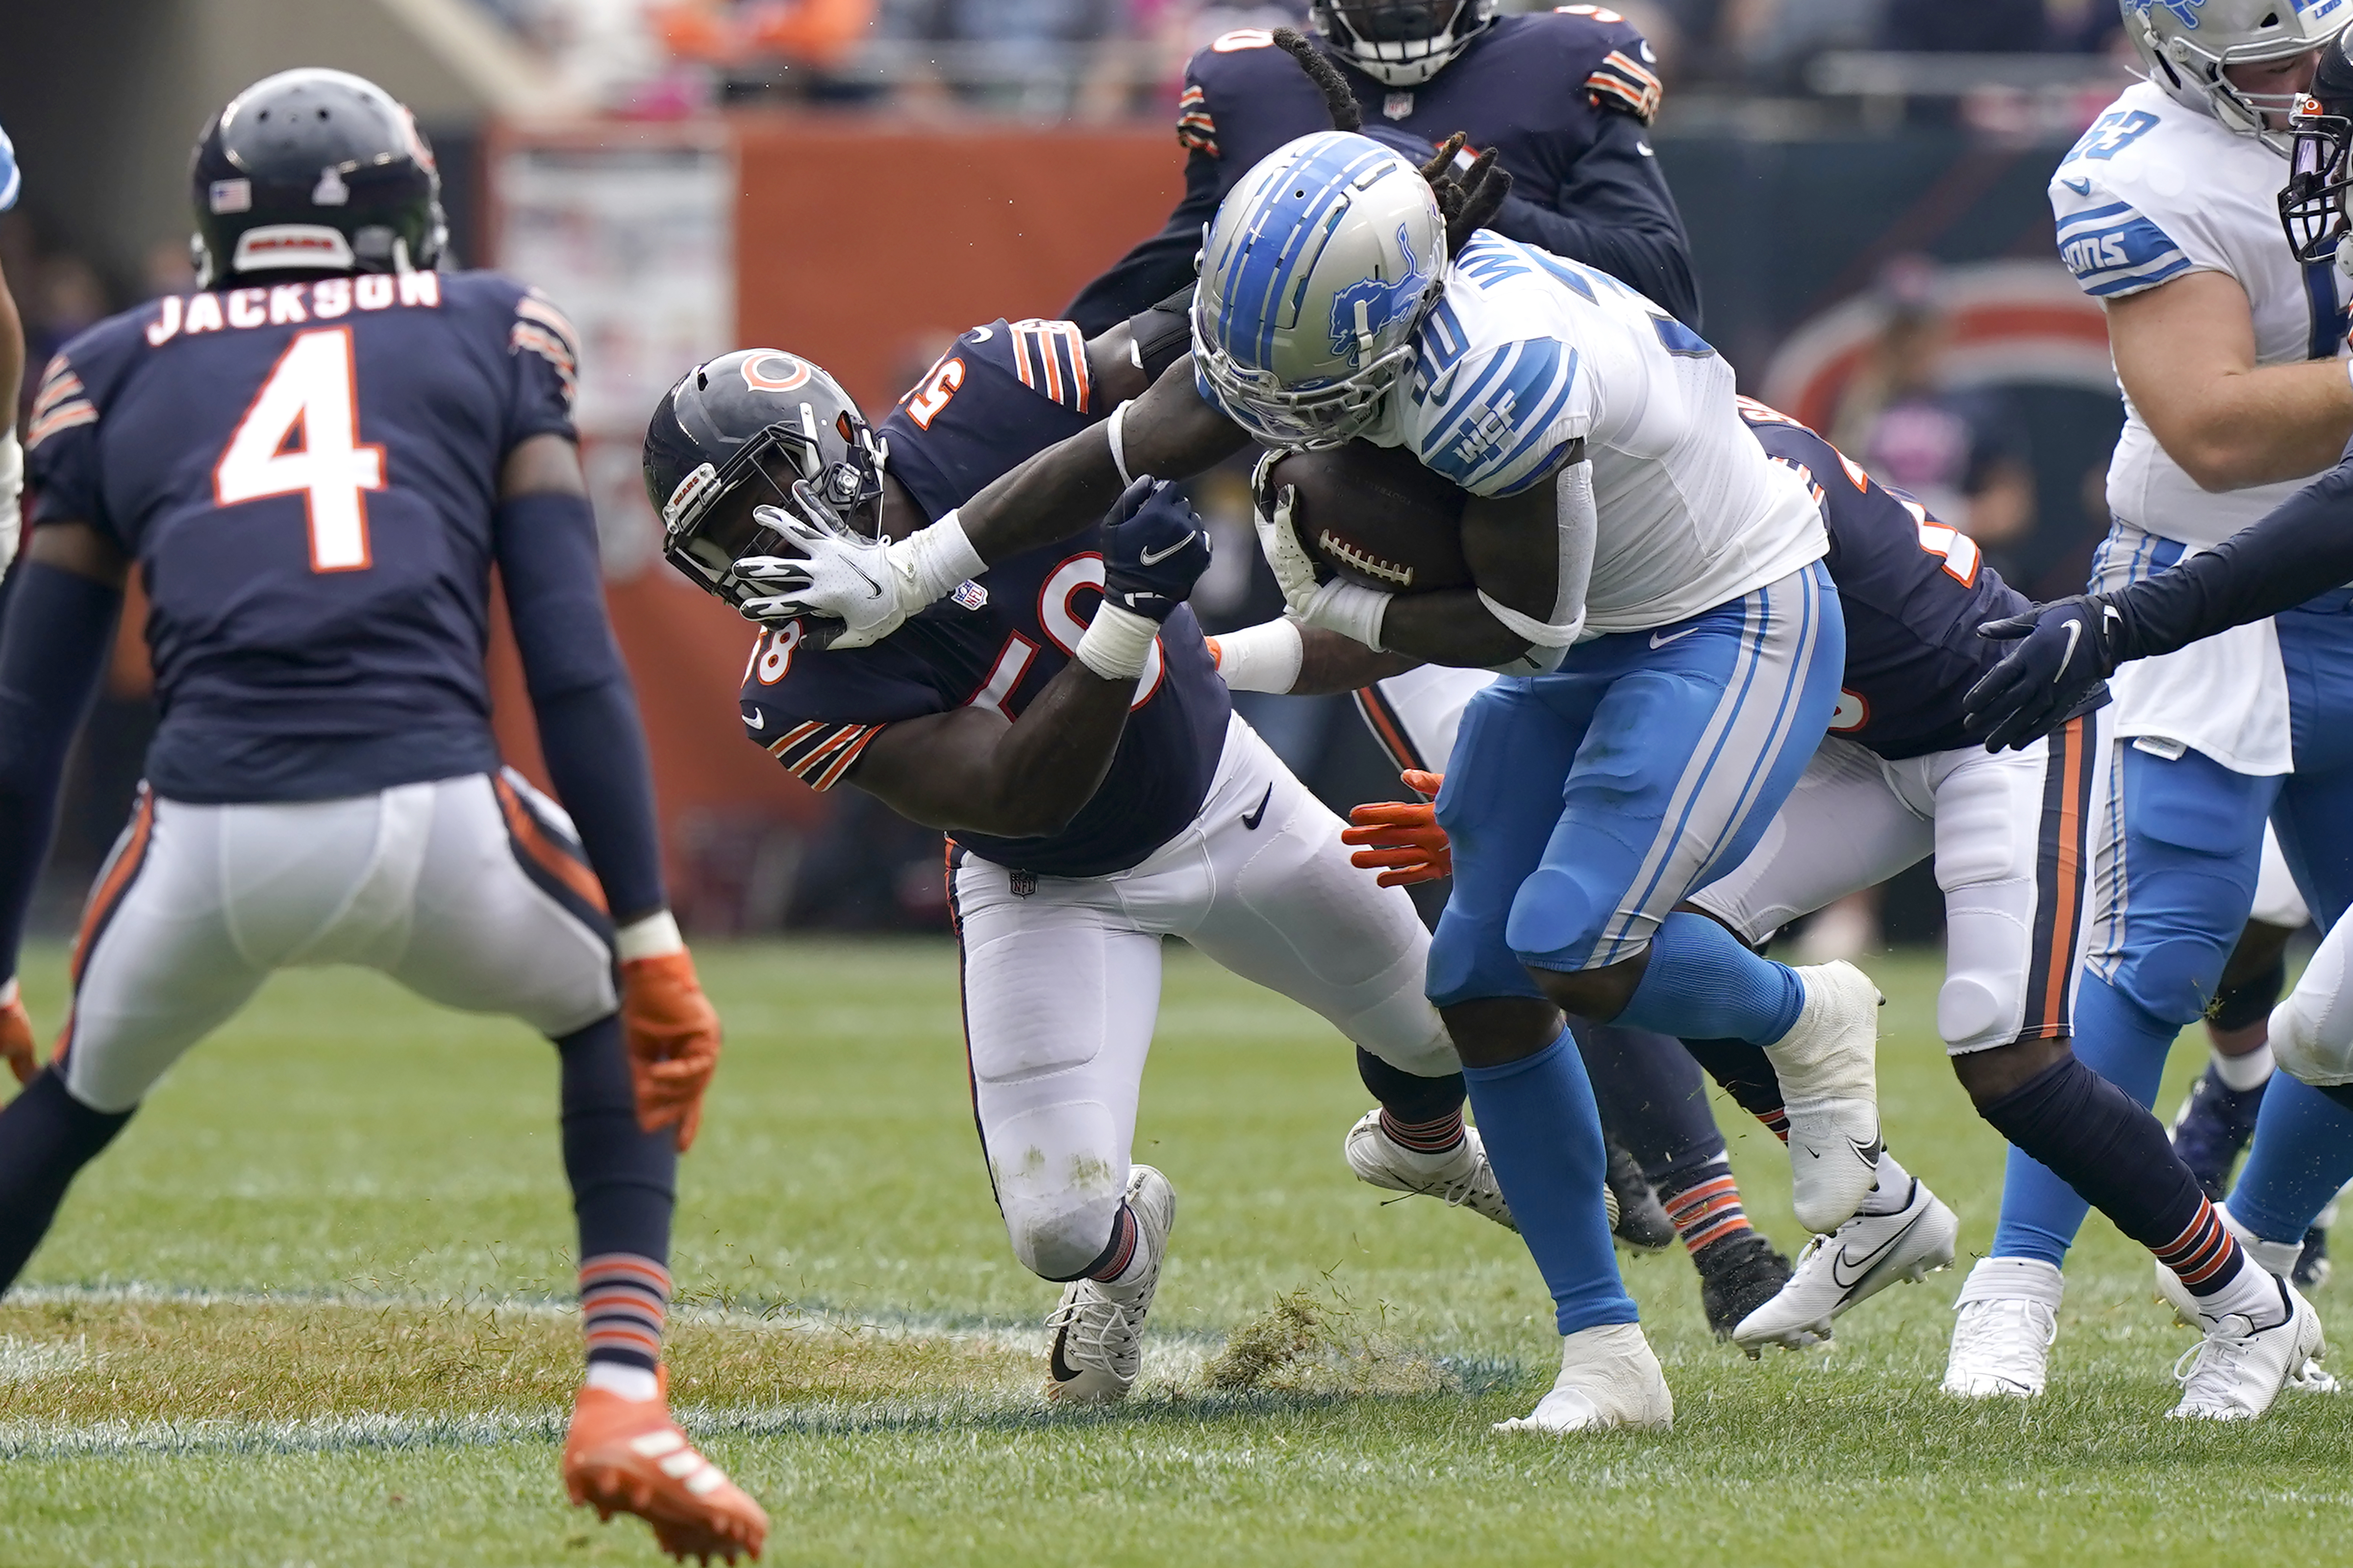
302,436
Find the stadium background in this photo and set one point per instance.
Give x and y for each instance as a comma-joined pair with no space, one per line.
857,181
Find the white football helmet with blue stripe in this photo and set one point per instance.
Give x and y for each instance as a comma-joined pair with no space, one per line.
2185,45
1316,273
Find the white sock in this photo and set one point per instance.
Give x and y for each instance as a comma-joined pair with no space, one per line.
1895,1188
2253,1295
634,1384
2243,1073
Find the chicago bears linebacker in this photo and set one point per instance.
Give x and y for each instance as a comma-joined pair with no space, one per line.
1715,663
1564,96
1058,715
314,461
1898,779
2229,350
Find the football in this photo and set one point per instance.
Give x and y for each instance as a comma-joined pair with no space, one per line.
1375,516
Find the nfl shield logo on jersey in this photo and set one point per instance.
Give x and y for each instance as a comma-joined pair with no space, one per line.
1022,883
1397,105
970,595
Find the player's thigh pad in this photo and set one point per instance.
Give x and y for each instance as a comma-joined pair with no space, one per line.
505,915
2014,835
1414,716
1060,991
1686,758
1501,801
1288,911
1844,826
156,967
2180,844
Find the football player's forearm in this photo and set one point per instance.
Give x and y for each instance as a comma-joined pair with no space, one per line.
1451,627
1169,433
594,748
2264,568
970,770
53,648
1330,663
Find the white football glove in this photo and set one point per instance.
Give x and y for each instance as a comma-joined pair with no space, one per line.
1351,609
836,576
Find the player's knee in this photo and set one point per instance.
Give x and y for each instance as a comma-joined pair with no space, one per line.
1597,994
1555,917
2170,980
1059,1172
1059,1236
2313,1046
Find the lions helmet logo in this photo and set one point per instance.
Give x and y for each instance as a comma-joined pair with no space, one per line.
2184,11
1362,309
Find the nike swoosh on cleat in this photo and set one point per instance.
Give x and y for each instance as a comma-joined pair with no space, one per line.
1862,1267
1060,1369
1658,641
1149,558
755,720
1251,822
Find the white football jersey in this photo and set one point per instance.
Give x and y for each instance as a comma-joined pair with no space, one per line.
2156,189
1526,352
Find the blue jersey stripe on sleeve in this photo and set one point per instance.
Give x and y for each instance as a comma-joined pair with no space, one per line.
2136,281
2132,253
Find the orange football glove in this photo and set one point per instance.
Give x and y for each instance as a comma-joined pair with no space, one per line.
16,1035
1403,841
672,1034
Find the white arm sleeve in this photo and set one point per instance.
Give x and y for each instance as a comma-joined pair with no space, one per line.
1576,521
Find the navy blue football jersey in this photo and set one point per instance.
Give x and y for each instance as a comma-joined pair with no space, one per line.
1001,393
1914,589
1563,98
305,474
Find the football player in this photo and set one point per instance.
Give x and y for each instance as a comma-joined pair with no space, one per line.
2229,352
1564,96
1715,663
1896,780
1586,156
1058,715
314,461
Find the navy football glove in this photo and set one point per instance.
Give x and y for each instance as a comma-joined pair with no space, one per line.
1154,548
2065,649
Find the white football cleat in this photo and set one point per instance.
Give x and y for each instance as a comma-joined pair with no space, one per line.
1099,1329
2006,1317
2237,1370
1828,1065
1609,1381
1868,1254
1458,1178
2307,1377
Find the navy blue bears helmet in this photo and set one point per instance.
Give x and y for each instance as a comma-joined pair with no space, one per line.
738,434
314,171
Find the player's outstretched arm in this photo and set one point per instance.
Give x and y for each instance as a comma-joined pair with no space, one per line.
545,539
54,644
1287,658
2065,649
971,769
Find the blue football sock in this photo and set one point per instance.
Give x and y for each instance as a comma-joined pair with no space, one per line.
1703,984
1543,1139
2122,1043
2302,1153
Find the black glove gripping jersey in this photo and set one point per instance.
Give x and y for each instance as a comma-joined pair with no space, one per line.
1001,393
306,474
1564,98
1914,591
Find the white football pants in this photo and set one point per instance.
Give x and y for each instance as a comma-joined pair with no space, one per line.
1061,986
469,891
2013,835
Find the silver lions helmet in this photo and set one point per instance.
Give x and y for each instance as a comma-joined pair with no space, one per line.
1315,278
2185,45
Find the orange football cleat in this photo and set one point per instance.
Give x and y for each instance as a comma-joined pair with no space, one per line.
672,1036
626,1456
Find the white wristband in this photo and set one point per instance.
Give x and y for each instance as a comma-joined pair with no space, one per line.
1351,609
930,562
1119,444
650,938
1116,643
1263,657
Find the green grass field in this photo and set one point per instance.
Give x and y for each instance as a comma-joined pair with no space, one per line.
312,1309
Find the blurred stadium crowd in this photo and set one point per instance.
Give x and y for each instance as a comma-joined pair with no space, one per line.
1958,109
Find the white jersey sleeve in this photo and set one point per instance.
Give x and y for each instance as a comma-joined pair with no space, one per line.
2112,246
1500,420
